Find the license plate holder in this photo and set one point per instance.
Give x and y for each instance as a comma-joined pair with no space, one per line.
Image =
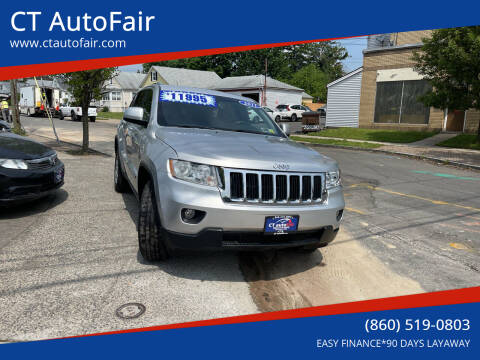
281,224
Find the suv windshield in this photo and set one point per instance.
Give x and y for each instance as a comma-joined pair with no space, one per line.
204,111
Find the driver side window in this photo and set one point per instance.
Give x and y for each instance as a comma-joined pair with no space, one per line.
144,100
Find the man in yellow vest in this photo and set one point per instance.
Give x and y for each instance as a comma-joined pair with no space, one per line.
5,112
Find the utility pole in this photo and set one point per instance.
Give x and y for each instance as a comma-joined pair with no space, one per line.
14,103
265,84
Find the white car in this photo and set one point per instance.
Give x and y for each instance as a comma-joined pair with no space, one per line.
292,112
274,114
75,112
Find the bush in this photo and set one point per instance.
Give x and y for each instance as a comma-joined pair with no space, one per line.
105,109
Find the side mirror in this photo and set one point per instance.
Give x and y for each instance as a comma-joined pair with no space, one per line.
285,128
135,115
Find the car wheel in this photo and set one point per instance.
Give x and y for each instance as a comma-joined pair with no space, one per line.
278,118
151,235
60,115
92,118
294,117
119,179
73,116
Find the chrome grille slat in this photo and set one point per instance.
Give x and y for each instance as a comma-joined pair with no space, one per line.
273,187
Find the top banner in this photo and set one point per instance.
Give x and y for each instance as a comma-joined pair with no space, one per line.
113,33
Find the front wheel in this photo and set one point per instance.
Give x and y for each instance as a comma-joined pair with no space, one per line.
119,179
278,118
151,235
294,117
60,115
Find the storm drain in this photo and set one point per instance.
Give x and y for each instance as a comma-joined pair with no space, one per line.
130,311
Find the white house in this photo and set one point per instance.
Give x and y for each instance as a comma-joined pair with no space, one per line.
253,86
120,90
343,100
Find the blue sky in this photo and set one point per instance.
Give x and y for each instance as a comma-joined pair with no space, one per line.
354,47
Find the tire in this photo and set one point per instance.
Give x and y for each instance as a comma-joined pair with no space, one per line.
92,118
278,118
294,117
60,115
73,116
151,235
119,180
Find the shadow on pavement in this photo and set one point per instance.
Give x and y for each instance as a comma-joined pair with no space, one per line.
24,209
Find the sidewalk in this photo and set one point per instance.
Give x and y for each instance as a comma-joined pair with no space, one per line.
424,149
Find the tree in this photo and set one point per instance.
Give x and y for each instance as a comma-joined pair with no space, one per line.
86,86
312,80
282,61
17,126
450,61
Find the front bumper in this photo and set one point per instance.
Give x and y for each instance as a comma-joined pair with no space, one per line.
223,220
24,185
217,239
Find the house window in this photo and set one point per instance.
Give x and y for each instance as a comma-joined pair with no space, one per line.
115,95
153,76
106,96
397,102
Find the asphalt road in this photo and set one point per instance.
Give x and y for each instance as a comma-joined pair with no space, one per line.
69,261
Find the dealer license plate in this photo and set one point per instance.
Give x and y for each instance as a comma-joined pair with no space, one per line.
281,224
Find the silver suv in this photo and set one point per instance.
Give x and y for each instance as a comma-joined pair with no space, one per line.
213,171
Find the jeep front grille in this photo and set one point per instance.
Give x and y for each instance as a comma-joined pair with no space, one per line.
252,186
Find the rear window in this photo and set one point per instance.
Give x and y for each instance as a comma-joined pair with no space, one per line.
282,107
205,111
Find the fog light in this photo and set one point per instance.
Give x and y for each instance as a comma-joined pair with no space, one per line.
339,215
188,214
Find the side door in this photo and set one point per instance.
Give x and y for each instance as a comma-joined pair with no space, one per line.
135,133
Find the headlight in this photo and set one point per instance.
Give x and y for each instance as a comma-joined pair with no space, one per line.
333,179
13,164
193,172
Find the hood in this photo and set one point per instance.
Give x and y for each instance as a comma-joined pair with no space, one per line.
18,147
243,150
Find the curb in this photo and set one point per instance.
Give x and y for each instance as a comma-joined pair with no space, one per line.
93,151
411,156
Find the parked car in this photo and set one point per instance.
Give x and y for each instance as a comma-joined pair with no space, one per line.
75,112
274,114
28,169
292,112
212,170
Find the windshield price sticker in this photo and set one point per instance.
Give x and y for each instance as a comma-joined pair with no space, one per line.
188,97
249,104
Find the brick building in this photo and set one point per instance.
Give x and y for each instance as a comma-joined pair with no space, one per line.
390,89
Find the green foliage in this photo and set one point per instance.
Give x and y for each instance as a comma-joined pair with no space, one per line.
282,61
110,115
87,85
346,143
393,136
105,109
462,141
450,61
312,80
